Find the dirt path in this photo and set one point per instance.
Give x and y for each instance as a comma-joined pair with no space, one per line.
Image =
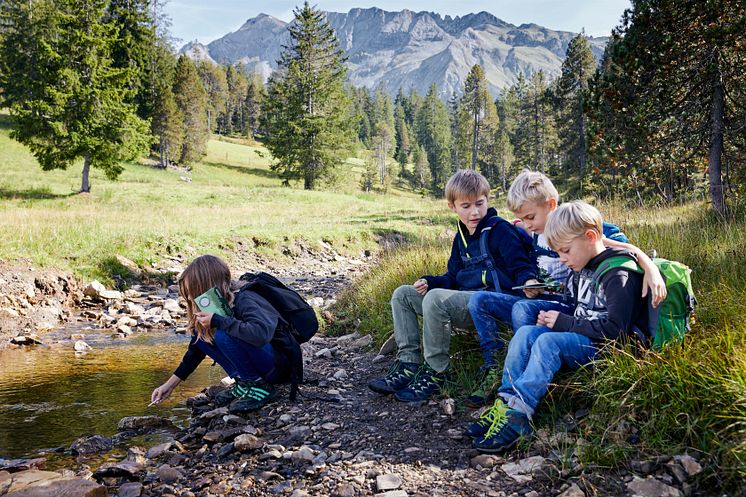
341,439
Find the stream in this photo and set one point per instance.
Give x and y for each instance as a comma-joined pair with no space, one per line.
50,395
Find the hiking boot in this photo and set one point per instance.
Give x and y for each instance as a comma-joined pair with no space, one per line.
400,375
426,384
490,378
225,397
504,433
496,413
253,396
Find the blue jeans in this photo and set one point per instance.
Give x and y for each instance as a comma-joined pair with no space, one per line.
526,311
243,361
488,310
535,354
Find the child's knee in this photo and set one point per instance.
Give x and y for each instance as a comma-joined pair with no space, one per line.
547,343
403,292
477,302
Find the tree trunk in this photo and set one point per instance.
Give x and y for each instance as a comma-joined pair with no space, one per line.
714,164
85,186
474,145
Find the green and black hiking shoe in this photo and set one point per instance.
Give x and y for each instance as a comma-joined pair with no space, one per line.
253,395
495,414
229,394
490,380
427,383
400,375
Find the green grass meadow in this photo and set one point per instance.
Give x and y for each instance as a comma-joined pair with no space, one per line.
687,398
150,213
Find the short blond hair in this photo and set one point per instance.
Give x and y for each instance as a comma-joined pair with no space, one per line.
466,183
530,186
571,220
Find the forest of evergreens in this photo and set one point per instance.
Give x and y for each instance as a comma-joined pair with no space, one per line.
662,116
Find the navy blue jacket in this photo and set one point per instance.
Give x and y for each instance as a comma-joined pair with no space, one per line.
509,251
254,321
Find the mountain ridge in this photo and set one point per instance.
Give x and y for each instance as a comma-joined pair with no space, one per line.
408,49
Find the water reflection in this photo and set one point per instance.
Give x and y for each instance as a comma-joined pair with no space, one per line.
49,396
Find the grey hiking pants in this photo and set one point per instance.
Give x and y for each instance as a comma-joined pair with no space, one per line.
441,310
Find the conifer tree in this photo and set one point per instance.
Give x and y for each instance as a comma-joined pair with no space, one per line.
215,83
255,95
67,99
191,100
577,70
478,106
674,77
434,135
306,111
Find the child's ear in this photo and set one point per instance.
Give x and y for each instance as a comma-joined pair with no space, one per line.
591,235
552,203
452,206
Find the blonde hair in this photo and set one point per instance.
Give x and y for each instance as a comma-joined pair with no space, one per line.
203,273
530,186
466,183
571,220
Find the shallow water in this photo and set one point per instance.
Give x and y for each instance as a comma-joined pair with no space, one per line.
50,396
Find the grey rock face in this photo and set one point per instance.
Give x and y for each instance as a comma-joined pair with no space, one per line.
406,49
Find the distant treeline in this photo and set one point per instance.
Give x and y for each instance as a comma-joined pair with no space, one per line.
662,116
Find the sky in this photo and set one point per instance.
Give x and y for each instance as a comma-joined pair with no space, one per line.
206,21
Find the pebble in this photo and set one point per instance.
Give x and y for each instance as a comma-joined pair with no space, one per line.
573,491
388,481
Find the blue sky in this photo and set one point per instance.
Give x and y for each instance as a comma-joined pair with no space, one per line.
207,20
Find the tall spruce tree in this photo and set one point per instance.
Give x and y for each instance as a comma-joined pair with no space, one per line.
67,99
255,95
578,68
305,115
434,135
478,106
675,78
191,100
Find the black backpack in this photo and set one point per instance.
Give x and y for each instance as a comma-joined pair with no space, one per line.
299,317
292,307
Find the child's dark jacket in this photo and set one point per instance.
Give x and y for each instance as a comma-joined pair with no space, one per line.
616,309
254,321
509,250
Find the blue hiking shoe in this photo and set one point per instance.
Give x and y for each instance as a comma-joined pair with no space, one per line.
400,376
494,414
427,384
504,433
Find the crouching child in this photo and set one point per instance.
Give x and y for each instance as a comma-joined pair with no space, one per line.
606,310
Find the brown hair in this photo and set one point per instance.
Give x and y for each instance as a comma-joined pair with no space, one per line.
204,272
466,183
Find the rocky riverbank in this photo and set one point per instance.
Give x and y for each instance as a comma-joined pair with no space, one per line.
339,439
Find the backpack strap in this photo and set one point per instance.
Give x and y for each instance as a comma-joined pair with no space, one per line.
484,248
629,264
617,261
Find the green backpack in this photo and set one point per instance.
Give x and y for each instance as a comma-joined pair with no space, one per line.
670,320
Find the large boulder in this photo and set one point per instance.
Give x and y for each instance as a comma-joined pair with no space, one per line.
34,483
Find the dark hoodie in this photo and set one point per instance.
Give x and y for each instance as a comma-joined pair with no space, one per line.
617,307
254,321
509,250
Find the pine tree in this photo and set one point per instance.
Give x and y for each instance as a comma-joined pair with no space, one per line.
191,100
674,77
255,95
577,70
478,106
306,111
67,99
215,83
434,135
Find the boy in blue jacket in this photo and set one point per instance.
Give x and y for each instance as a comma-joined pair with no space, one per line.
488,252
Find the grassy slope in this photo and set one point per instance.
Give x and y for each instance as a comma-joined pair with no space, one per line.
689,398
233,194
